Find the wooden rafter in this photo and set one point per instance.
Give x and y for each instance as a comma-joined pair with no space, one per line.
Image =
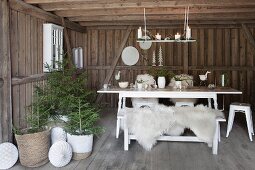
108,4
39,13
115,61
218,16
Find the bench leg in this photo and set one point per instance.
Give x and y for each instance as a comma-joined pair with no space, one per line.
126,137
216,139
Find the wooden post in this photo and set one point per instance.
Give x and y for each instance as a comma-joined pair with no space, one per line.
5,75
67,44
115,61
248,35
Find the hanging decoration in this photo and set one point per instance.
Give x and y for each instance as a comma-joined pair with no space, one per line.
178,37
154,58
160,57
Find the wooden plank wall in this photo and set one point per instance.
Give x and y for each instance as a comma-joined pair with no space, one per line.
26,58
218,49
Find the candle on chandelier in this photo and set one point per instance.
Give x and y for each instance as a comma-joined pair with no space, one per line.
177,36
139,33
158,36
188,33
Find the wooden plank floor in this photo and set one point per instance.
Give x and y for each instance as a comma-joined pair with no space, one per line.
235,152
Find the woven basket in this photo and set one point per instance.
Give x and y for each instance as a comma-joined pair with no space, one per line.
33,148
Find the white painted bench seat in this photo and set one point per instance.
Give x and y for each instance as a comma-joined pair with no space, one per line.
128,137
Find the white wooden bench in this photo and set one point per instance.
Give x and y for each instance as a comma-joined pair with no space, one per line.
128,137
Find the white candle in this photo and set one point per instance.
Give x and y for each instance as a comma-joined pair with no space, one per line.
188,33
177,36
139,33
158,36
222,80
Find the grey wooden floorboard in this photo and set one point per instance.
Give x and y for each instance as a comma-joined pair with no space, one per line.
235,152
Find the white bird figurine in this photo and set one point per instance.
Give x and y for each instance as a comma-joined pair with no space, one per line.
204,77
117,76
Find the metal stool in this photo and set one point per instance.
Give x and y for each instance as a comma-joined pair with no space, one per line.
243,108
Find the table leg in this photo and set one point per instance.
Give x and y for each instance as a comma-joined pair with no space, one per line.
209,103
215,102
124,102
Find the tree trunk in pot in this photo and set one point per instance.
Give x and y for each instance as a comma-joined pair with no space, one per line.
81,145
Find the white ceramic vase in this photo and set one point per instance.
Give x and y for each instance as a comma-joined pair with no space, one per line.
161,82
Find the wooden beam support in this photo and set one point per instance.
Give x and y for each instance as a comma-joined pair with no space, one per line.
154,11
174,17
5,75
109,4
248,35
39,13
67,45
115,61
28,79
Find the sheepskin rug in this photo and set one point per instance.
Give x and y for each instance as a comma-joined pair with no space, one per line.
147,124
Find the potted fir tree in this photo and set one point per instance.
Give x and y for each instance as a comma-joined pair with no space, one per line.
34,142
75,102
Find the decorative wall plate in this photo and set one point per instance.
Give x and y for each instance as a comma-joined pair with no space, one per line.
145,45
130,56
60,154
8,155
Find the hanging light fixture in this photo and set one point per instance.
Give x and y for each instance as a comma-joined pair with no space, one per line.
157,38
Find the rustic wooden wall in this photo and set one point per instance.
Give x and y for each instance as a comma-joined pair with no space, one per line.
26,58
216,49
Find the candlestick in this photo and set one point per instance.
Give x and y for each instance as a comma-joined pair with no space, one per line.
177,36
139,33
222,80
188,32
158,36
144,23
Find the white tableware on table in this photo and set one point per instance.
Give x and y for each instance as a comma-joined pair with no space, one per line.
130,56
123,84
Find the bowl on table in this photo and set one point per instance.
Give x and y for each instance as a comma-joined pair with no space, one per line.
123,84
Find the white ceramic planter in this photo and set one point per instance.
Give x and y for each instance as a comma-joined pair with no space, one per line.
80,144
178,84
139,85
161,82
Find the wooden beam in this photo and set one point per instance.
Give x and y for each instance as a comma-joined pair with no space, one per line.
67,45
105,4
5,75
28,79
248,35
54,1
153,18
39,13
115,61
154,11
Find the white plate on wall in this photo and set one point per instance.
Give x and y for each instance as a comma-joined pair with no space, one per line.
130,55
145,45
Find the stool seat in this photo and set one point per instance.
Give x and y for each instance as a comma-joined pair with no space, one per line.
243,108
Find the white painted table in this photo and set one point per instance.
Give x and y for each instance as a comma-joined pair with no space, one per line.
194,92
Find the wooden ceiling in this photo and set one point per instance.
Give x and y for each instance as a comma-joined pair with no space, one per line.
158,12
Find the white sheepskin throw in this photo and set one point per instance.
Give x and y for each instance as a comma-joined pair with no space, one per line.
147,124
200,119
143,102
